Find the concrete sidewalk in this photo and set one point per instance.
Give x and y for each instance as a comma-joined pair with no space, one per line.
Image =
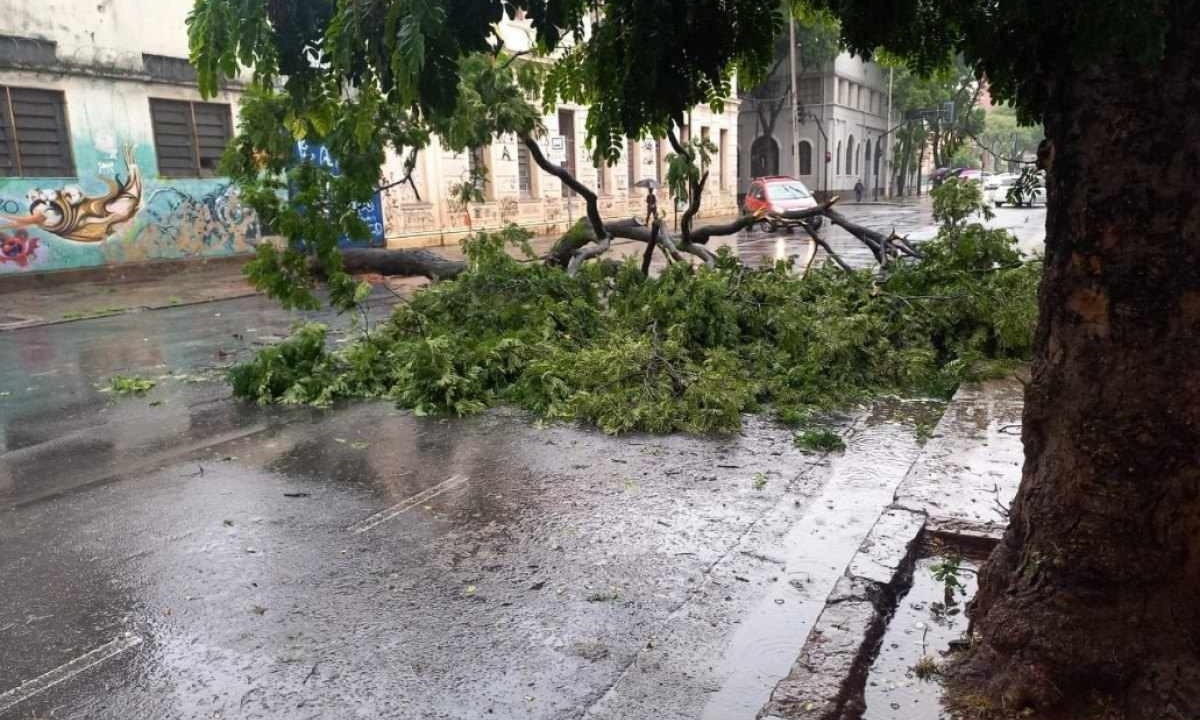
62,297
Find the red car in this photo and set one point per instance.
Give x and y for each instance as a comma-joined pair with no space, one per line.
779,194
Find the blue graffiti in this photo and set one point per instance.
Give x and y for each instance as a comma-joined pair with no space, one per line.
371,212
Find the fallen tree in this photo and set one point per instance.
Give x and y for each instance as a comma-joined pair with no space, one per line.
690,349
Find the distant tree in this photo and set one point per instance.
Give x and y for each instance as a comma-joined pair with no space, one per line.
1088,608
918,97
1007,139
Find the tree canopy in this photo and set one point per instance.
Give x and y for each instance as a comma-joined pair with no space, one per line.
1017,45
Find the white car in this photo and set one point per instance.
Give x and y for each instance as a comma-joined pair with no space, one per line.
996,187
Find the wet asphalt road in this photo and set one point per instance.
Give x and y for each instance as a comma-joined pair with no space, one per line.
184,555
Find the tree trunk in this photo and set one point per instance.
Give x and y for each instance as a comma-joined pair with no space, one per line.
417,262
1090,607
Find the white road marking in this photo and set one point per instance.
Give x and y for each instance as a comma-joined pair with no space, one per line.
65,672
405,505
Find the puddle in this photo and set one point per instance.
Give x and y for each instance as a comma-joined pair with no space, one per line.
922,626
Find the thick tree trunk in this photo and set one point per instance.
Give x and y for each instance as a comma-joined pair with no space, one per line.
1092,600
411,263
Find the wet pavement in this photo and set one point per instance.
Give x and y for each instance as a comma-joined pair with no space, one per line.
181,554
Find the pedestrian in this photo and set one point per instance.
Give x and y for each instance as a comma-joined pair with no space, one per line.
858,191
651,205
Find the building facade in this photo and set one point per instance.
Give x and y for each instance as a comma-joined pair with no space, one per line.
842,128
108,153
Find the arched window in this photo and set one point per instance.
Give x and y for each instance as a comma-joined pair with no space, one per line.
804,162
838,155
764,157
850,155
867,165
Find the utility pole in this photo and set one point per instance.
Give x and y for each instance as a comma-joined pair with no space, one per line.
795,109
887,154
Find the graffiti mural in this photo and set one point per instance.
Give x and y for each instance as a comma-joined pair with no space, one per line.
18,248
115,216
70,214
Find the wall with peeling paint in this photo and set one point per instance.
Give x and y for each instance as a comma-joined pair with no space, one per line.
75,48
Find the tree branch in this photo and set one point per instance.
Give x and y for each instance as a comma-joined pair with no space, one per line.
825,246
589,197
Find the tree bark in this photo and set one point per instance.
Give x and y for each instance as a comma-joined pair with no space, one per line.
1092,600
412,263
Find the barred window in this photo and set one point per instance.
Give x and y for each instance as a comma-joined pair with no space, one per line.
34,141
810,91
189,137
524,172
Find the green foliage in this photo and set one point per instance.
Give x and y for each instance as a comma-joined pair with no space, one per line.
685,169
1025,189
948,571
130,385
1005,136
819,440
690,350
1021,46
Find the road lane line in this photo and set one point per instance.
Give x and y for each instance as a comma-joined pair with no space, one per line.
405,505
62,673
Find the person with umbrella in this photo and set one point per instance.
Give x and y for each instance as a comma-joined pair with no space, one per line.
651,199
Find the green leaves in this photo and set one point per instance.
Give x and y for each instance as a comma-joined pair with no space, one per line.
691,350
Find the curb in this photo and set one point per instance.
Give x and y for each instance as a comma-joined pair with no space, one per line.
42,322
826,682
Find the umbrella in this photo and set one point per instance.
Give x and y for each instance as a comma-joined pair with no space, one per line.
648,183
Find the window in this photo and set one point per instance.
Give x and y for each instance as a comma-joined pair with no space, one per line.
601,180
34,141
809,91
850,155
722,164
631,160
838,155
805,160
524,173
477,167
566,128
189,137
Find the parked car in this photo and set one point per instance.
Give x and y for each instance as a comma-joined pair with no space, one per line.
971,174
999,190
779,194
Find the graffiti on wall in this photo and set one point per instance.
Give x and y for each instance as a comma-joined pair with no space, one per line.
125,218
70,214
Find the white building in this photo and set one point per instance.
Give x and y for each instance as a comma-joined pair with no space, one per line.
843,119
517,190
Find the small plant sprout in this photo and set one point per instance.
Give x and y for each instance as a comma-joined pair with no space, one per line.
760,481
949,572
